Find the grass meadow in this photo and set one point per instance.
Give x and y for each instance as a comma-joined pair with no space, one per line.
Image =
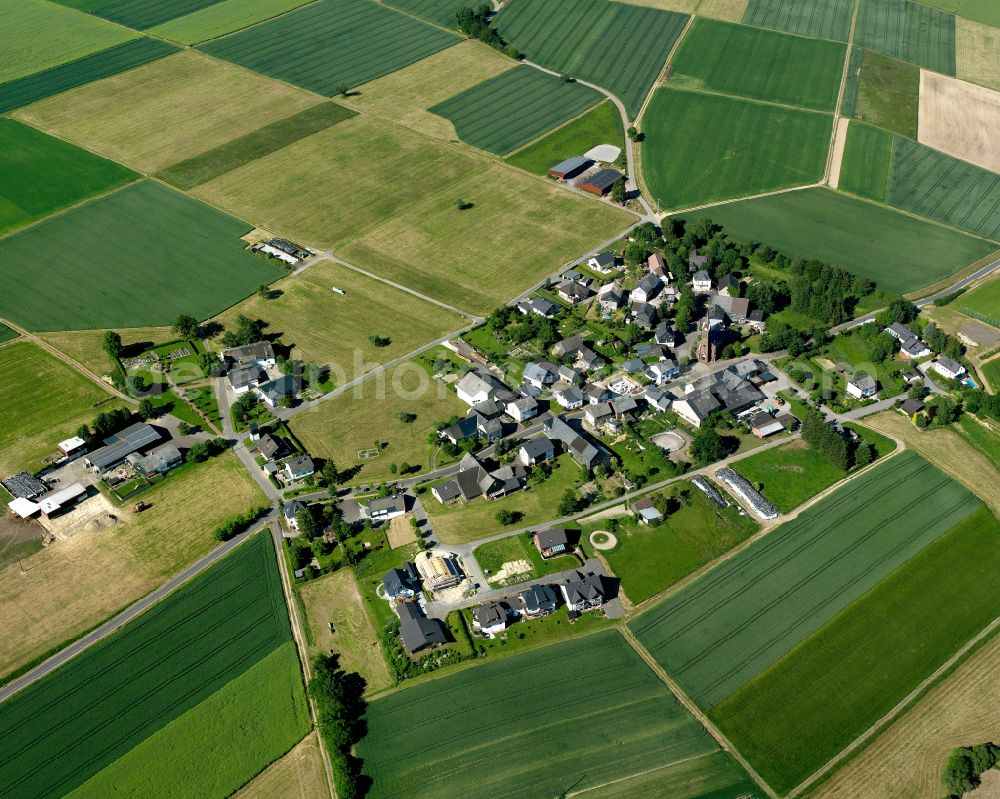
983,302
165,238
888,93
86,347
828,20
600,125
221,18
980,10
908,30
493,555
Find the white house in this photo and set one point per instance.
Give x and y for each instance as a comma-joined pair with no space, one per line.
536,450
472,389
663,371
702,281
948,367
299,468
522,409
862,387
602,263
648,288
569,398
291,513
490,619
385,508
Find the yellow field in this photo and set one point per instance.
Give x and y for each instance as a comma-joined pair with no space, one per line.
298,775
85,346
732,10
335,598
977,52
335,184
519,230
684,6
405,96
959,119
163,112
73,585
324,327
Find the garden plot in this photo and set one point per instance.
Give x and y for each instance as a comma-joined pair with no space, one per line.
960,119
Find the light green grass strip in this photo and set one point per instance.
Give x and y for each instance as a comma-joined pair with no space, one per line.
222,18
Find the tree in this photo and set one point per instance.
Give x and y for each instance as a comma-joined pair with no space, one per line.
406,417
506,516
618,194
286,400
343,89
864,454
569,503
308,524
379,341
707,445
634,134
113,345
338,697
186,326
263,291
146,409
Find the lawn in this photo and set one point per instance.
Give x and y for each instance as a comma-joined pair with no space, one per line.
600,125
830,19
245,725
492,556
983,302
64,729
514,231
515,107
164,237
166,111
298,775
37,35
703,147
909,31
723,630
898,252
888,93
865,168
86,346
457,723
40,174
759,64
204,400
43,402
582,38
326,34
221,18
812,703
101,64
289,192
649,559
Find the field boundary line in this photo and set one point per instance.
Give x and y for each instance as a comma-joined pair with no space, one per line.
659,77
641,774
196,45
844,74
731,200
745,99
550,131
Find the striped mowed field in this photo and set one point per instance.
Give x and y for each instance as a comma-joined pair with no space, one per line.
830,19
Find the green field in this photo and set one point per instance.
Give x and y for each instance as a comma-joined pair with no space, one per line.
898,252
221,18
725,629
600,125
830,19
326,36
6,334
102,64
980,10
759,64
887,93
40,174
61,731
909,31
140,14
256,144
134,258
820,697
620,47
470,738
702,147
983,302
514,108
867,155
440,12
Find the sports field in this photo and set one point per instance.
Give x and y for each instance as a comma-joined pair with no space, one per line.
702,147
326,34
40,174
457,722
984,302
440,12
515,107
909,31
806,708
221,18
485,264
601,125
166,111
586,39
898,252
155,242
289,191
830,19
887,93
867,156
723,630
759,64
62,730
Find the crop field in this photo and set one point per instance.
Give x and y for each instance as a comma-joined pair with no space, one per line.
867,156
702,147
44,401
812,703
898,252
298,775
101,64
514,108
983,301
6,334
759,64
934,185
909,31
37,35
40,174
64,729
166,111
163,236
715,776
726,628
256,144
977,52
326,34
217,745
553,226
221,18
289,191
620,47
601,125
139,14
980,10
827,20
324,327
888,92
457,724
958,118
440,12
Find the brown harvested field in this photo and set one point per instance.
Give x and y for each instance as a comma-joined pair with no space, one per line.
977,52
405,95
960,119
684,6
85,346
732,10
338,183
158,114
335,598
906,760
324,327
73,585
298,775
400,532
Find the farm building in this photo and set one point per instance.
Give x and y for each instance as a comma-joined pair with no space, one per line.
59,501
73,447
710,491
417,631
604,153
600,182
742,488
135,438
646,511
159,461
243,378
260,353
24,486
283,250
24,508
570,168
552,543
382,509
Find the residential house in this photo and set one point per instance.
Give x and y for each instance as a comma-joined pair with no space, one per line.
665,334
520,410
646,511
595,394
948,367
597,415
603,263
697,262
538,600
417,631
702,281
535,450
657,351
472,389
568,374
447,491
474,479
466,428
584,592
275,391
663,371
657,266
610,297
290,512
401,583
569,398
383,509
489,428
260,353
568,346
270,447
540,373
647,289
584,452
862,387
490,619
756,321
900,332
590,360
438,571
914,348
657,398
573,292
644,315
763,424
633,365
299,467
244,378
552,543
736,308
911,406
538,305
